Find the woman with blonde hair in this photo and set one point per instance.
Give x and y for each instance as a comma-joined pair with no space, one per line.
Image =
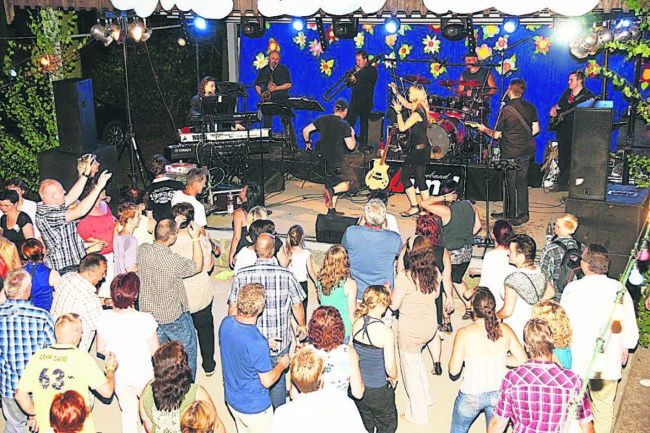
9,258
125,244
336,288
297,258
375,345
557,319
419,154
200,417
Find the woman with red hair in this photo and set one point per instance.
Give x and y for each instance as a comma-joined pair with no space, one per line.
68,412
326,332
44,279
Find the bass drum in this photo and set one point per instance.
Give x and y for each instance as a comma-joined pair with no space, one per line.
443,136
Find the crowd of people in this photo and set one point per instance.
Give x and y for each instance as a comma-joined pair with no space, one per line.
135,289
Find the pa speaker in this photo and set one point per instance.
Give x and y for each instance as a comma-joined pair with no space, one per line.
75,115
330,229
375,131
592,138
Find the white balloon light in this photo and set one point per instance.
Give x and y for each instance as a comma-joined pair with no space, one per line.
124,5
471,6
144,8
340,7
571,8
214,10
302,8
520,8
270,8
437,6
372,6
167,4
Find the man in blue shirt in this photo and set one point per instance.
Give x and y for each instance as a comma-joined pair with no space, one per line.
24,329
246,363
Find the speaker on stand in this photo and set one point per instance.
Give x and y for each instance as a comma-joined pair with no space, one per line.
75,115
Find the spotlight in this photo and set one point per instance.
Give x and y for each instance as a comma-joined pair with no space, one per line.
136,30
102,34
391,25
453,29
566,30
299,24
345,28
253,27
624,23
510,25
200,23
116,32
181,41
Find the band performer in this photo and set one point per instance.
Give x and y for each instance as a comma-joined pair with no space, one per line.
477,73
207,88
363,94
516,127
419,154
272,85
336,141
576,94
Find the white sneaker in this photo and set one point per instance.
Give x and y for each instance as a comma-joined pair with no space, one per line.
645,382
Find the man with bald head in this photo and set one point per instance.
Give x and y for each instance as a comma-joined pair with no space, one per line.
162,292
284,296
55,218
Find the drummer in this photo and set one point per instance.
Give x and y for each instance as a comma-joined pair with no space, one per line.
472,79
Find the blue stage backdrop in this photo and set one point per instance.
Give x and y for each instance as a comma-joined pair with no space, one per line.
539,58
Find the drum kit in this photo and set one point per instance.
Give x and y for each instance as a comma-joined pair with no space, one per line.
448,115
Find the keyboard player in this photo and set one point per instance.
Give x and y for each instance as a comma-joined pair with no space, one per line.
206,103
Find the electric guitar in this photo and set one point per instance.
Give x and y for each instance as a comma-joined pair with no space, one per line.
377,178
554,121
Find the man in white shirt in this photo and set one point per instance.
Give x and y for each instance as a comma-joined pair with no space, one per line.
194,184
313,408
588,303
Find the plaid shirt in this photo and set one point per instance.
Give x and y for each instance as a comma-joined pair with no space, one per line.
75,294
24,329
536,397
282,291
551,258
64,246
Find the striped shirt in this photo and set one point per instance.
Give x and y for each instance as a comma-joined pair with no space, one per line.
24,329
536,397
64,246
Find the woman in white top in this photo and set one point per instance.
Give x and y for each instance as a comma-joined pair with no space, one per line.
483,347
297,258
131,336
496,266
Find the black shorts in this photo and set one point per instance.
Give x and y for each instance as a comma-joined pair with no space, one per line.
342,173
458,272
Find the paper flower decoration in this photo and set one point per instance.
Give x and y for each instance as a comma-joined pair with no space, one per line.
592,69
326,67
273,46
315,48
533,27
645,76
483,52
508,65
475,37
403,28
388,63
312,26
437,70
404,50
300,39
331,37
390,40
368,28
502,43
359,40
435,28
431,44
490,31
542,44
260,61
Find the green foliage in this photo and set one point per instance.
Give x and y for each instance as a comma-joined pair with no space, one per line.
27,103
640,170
644,316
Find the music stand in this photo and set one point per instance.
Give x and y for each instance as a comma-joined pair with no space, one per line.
306,104
275,109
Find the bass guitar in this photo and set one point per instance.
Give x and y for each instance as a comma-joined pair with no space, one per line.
377,178
554,121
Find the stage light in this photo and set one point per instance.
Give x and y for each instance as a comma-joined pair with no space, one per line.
566,30
391,25
453,29
116,32
624,23
299,24
181,41
510,25
345,28
200,23
253,27
102,34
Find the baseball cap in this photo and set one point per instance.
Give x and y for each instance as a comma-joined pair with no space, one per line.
341,104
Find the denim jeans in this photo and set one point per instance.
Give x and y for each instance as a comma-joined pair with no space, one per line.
468,406
278,392
181,330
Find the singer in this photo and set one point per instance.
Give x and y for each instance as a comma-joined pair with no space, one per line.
515,129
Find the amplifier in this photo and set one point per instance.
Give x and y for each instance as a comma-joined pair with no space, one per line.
180,152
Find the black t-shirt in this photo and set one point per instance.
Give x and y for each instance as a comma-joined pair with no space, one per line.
333,131
281,75
419,130
159,197
363,92
477,76
17,237
517,140
582,96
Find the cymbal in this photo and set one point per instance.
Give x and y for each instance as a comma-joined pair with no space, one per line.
469,83
447,83
417,79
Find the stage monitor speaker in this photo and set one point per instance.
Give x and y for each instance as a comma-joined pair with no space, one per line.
330,229
375,131
75,115
592,138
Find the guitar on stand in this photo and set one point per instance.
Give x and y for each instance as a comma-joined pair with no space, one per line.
377,177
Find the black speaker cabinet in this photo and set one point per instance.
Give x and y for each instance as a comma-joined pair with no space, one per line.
375,130
75,115
615,223
330,229
592,138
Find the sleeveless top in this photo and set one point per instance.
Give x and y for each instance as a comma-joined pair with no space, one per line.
338,300
164,421
483,374
336,369
41,289
419,130
458,232
371,357
298,264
